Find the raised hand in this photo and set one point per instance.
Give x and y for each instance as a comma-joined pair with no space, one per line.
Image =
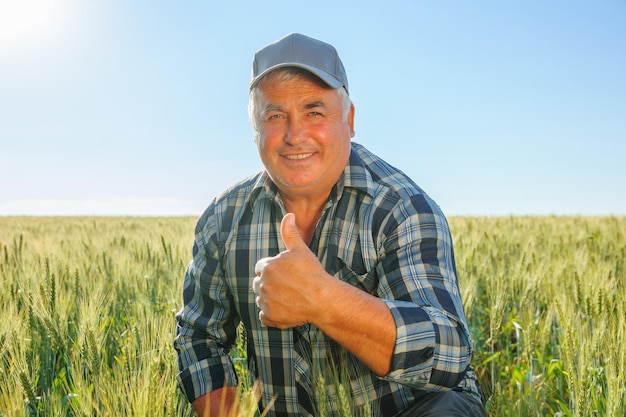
292,288
288,284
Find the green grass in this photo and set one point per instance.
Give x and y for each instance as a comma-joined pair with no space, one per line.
545,299
87,308
87,314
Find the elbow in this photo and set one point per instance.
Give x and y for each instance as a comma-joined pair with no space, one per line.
451,363
448,380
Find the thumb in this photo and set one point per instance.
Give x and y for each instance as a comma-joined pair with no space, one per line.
289,232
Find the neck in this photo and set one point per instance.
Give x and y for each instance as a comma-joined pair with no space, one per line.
307,211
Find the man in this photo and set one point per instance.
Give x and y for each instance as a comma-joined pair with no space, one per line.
331,258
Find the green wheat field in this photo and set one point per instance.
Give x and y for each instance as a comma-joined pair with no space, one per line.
87,310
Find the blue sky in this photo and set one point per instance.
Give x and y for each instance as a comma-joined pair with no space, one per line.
139,107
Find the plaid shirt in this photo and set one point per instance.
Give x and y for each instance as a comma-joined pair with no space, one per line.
378,231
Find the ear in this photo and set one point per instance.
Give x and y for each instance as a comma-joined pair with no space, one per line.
351,120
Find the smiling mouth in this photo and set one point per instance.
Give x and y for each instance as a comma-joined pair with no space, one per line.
299,156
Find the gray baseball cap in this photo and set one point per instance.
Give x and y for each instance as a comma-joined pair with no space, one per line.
296,50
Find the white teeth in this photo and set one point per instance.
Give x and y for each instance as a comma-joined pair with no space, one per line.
299,156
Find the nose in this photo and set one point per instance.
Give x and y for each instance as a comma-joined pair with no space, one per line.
295,132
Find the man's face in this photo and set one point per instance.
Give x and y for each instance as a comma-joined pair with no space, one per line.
303,138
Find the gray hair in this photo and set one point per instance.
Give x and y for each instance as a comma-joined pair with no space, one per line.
282,75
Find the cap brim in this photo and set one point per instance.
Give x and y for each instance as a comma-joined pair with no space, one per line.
323,75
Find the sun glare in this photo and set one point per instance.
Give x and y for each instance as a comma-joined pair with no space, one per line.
31,23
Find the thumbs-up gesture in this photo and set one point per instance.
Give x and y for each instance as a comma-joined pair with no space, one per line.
287,284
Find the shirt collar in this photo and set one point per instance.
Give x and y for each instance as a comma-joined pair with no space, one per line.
356,175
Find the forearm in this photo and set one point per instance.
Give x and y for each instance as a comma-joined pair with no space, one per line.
359,322
431,350
220,402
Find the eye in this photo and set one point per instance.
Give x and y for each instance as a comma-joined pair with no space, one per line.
315,108
274,116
